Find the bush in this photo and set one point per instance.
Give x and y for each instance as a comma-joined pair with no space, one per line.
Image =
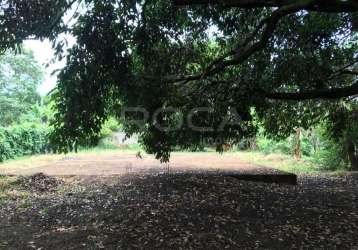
269,146
330,157
109,127
21,140
106,144
326,153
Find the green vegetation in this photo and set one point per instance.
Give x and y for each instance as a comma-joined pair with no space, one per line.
316,146
109,127
170,55
280,161
293,96
24,114
20,75
28,139
27,162
105,146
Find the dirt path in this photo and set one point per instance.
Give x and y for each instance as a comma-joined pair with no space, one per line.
127,162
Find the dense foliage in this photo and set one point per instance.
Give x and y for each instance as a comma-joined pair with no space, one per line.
109,127
23,115
20,140
155,55
316,146
20,76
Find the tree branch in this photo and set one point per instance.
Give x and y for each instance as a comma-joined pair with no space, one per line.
60,14
333,93
349,72
234,3
321,6
248,47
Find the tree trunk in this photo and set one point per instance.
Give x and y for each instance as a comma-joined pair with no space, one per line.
298,153
352,154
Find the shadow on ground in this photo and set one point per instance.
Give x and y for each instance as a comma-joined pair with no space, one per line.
183,211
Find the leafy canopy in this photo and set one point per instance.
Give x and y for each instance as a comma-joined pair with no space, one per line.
20,76
282,58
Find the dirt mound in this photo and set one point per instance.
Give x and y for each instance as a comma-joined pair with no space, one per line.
39,183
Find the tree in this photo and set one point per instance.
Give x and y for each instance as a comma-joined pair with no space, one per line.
20,75
343,127
290,60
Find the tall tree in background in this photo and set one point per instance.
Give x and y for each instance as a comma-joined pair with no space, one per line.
293,61
343,127
20,76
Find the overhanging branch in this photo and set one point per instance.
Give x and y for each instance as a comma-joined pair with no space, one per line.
321,5
247,48
333,93
233,3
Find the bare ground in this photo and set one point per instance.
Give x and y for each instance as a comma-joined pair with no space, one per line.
127,162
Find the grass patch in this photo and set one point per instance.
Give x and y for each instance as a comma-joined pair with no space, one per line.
28,162
279,161
9,189
109,147
6,182
35,161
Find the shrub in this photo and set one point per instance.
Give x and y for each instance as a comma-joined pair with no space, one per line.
269,146
21,140
109,127
330,157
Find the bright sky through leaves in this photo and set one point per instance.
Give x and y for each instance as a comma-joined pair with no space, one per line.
44,54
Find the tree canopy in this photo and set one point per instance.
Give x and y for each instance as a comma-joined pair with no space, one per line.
20,76
213,67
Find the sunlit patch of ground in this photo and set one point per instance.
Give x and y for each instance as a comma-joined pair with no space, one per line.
29,162
122,162
277,161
